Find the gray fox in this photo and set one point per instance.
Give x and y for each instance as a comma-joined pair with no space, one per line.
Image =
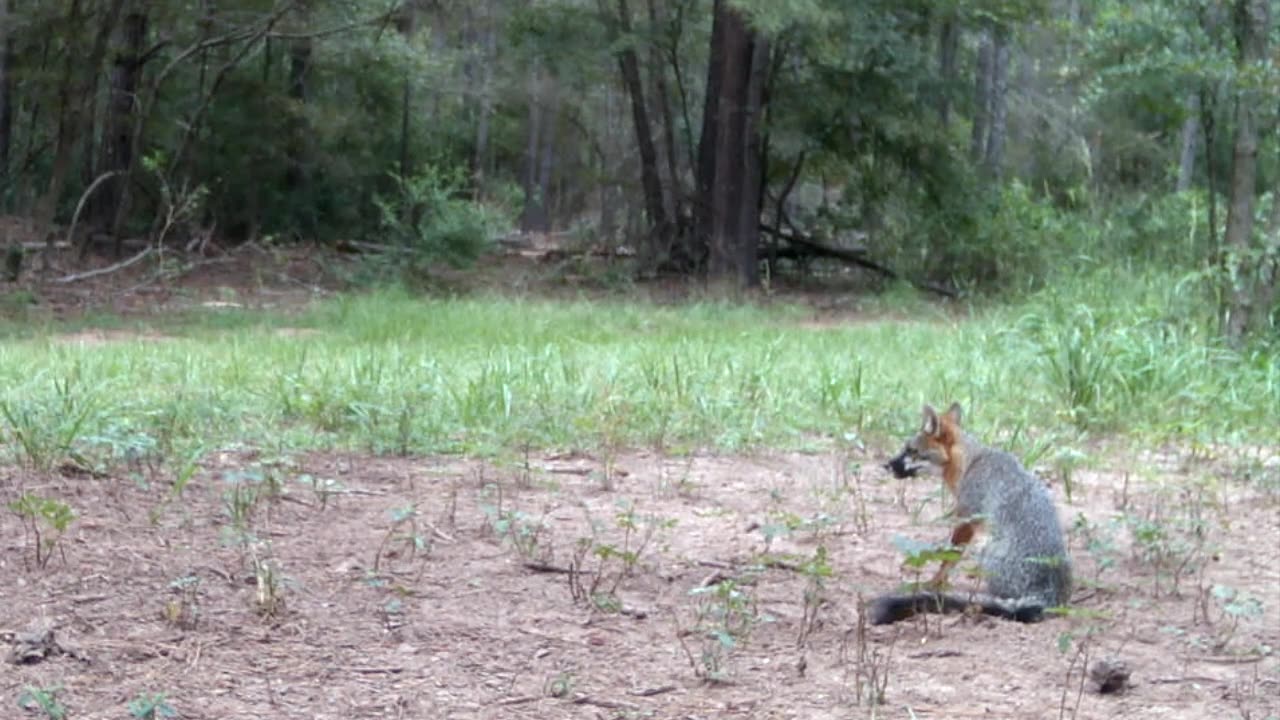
1025,561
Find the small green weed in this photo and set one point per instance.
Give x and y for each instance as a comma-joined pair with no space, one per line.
43,700
817,572
183,609
270,600
405,537
45,520
605,563
523,531
1232,607
725,614
869,663
151,706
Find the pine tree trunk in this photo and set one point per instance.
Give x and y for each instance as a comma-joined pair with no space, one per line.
406,24
1269,273
1208,127
117,145
672,192
1190,138
534,217
730,162
981,101
547,158
752,159
6,100
650,177
948,47
79,79
489,51
1251,26
994,157
299,67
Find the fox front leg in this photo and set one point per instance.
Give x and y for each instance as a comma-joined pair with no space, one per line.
961,536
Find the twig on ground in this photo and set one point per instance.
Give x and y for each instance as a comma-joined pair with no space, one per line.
544,567
606,704
650,692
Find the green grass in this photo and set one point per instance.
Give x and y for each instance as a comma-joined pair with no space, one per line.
389,372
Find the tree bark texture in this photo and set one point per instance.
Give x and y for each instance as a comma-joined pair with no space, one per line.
948,47
673,194
730,161
1190,137
981,100
79,79
489,51
1269,273
6,99
650,179
993,161
1251,26
117,145
299,69
536,216
406,24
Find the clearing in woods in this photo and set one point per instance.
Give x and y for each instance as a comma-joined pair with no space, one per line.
616,583
436,587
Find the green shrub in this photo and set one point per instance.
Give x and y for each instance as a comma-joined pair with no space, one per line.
427,221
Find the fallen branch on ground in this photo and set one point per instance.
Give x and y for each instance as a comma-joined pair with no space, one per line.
75,277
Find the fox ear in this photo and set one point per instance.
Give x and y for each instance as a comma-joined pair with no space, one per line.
953,413
930,424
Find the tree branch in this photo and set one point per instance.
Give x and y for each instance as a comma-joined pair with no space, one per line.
803,245
106,270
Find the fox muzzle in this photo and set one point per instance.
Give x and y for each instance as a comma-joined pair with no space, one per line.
904,465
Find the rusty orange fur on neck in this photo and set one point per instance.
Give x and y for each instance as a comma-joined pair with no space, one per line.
948,437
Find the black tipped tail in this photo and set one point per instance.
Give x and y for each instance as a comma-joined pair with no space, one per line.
888,609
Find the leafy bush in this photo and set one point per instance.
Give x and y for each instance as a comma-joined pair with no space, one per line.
429,222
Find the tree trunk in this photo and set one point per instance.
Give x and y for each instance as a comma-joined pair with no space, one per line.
1209,127
994,160
730,163
299,67
948,46
674,191
610,195
752,162
73,95
406,23
1252,24
981,100
489,50
1190,137
534,217
1269,273
6,100
117,145
650,179
547,158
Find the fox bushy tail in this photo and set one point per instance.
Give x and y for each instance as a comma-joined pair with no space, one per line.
894,608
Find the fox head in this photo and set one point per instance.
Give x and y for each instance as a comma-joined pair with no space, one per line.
932,445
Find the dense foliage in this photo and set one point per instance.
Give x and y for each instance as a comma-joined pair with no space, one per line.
968,144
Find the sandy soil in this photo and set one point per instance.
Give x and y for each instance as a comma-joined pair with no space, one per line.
435,588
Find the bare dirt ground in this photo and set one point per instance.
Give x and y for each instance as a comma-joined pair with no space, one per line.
371,587
433,588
